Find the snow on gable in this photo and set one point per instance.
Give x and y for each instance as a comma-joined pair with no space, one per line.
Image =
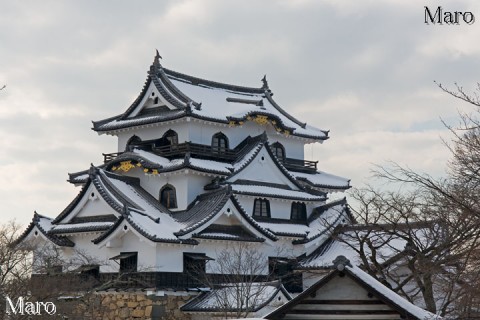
322,179
150,99
90,205
349,292
262,168
229,214
418,312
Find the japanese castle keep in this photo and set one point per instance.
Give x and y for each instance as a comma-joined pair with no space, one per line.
201,166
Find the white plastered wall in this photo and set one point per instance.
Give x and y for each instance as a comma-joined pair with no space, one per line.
263,169
199,131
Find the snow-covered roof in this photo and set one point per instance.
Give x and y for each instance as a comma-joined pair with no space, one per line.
389,246
343,267
80,227
388,294
225,297
44,225
208,100
265,191
322,179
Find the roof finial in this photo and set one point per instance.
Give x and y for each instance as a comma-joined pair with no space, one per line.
156,61
341,262
265,83
125,210
92,171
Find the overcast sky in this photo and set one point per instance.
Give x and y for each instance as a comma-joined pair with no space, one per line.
362,69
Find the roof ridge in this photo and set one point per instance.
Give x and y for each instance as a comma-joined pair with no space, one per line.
200,81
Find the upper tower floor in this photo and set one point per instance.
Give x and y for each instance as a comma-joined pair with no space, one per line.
175,108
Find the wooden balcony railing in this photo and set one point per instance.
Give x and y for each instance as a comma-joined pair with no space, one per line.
195,149
212,153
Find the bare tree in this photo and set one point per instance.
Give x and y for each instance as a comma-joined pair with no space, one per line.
413,244
437,220
238,279
15,263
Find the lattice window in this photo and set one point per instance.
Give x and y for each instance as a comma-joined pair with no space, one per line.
299,211
278,151
219,142
261,208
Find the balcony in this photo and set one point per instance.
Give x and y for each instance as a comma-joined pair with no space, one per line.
211,153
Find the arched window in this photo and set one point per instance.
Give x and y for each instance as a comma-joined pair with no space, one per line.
278,151
219,142
168,196
132,142
170,138
261,208
299,211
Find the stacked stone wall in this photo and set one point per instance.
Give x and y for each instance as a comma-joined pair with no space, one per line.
127,305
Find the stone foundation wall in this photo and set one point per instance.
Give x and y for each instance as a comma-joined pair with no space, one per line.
130,305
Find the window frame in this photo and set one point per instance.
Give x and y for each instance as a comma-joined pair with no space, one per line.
195,263
173,192
263,206
171,136
276,147
129,264
298,211
217,140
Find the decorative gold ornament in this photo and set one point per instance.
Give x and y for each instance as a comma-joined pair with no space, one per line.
231,123
261,120
145,170
155,171
114,168
126,166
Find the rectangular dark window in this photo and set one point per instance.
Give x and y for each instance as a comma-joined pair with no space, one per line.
261,208
299,211
128,261
195,263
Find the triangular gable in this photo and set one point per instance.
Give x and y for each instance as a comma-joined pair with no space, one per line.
231,211
150,98
39,227
225,207
91,201
130,222
264,167
349,293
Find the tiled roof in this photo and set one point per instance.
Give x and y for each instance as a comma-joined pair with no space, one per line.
208,100
322,180
324,219
44,224
224,232
341,268
345,240
80,227
261,295
272,192
202,209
